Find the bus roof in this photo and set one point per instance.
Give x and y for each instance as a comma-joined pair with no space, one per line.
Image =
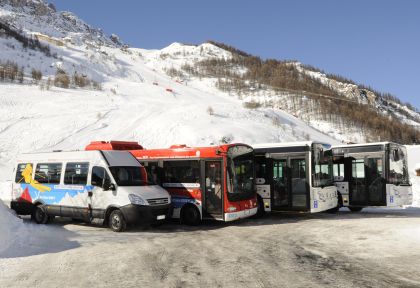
286,147
113,158
341,150
287,144
113,145
183,151
365,144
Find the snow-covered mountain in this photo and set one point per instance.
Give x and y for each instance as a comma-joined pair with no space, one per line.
133,94
138,100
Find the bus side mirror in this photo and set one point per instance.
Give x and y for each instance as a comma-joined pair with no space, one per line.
109,186
396,155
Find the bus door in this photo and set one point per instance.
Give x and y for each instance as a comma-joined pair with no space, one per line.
367,185
375,181
213,190
358,195
299,184
280,196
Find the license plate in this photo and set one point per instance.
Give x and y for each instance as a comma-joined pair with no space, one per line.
161,217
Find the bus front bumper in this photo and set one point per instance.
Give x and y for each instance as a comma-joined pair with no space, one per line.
136,214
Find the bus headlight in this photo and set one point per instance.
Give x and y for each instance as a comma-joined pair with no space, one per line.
136,199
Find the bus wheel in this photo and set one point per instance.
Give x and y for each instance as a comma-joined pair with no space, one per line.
355,209
190,215
116,221
39,215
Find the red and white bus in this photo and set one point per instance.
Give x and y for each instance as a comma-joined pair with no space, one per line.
216,182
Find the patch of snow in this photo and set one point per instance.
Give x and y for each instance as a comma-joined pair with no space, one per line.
413,157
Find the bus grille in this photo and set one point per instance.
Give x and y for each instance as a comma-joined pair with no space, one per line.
158,201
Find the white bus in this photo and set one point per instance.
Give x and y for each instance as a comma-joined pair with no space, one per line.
110,185
295,176
373,174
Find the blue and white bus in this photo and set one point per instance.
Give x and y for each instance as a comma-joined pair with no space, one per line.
110,185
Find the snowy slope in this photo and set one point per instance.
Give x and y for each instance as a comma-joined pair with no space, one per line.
134,103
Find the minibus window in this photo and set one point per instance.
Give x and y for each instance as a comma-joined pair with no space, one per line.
99,176
49,173
76,173
21,176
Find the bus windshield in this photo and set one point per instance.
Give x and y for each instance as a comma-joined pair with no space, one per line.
322,166
130,176
398,170
240,176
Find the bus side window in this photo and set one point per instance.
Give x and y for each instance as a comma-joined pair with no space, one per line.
338,170
76,173
181,171
99,176
20,175
49,173
154,171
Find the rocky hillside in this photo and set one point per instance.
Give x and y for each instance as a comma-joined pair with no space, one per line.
325,101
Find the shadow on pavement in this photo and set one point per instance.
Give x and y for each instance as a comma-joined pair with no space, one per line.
33,239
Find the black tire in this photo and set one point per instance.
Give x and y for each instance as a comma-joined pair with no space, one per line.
260,208
39,215
77,220
116,221
190,216
355,209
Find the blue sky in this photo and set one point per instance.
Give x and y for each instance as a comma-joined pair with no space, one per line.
373,42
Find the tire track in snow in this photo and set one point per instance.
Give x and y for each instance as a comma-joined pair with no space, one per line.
80,130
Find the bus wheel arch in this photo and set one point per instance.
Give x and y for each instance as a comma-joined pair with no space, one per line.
190,215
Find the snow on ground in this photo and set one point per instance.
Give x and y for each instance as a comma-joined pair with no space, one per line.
22,238
374,248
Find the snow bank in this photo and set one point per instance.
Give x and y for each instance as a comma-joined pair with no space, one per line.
6,192
11,227
413,152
